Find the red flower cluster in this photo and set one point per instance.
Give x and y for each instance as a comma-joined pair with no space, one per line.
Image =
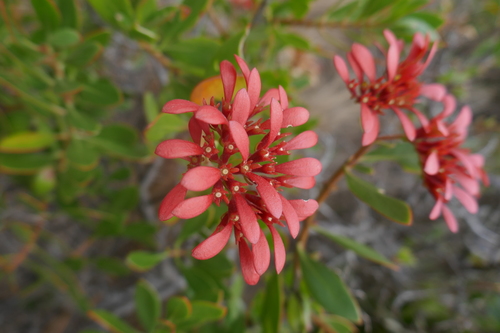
396,89
448,169
247,181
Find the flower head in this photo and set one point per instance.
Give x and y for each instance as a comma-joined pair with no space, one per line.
248,181
449,170
398,87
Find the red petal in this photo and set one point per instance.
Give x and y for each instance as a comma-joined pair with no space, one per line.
248,220
365,60
370,137
390,37
268,96
423,120
302,167
304,140
432,163
213,244
466,199
195,129
241,107
177,106
268,194
247,264
463,119
171,200
200,178
210,115
193,207
392,61
436,210
367,118
261,254
450,219
450,104
355,66
279,250
177,148
408,126
304,208
240,138
283,98
301,182
341,68
295,116
292,220
243,66
469,184
434,91
276,121
429,59
228,76
253,87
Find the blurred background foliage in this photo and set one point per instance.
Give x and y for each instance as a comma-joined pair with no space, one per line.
81,88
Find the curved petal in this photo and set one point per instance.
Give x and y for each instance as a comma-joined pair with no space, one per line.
466,199
450,219
304,208
247,264
423,119
392,61
436,210
450,104
341,68
248,220
210,115
241,107
433,91
177,148
195,129
355,66
253,87
261,254
213,244
463,119
390,37
302,167
228,76
243,66
469,184
193,207
431,166
177,106
291,217
283,98
367,118
171,200
370,137
279,250
295,116
365,60
200,178
275,122
240,138
304,140
268,194
301,182
408,126
268,96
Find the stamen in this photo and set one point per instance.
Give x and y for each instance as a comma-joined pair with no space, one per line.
218,195
208,149
365,100
230,147
225,171
236,188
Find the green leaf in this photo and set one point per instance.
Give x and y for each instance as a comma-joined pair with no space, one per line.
402,153
328,289
299,7
26,142
360,249
101,37
110,321
343,13
111,266
374,6
194,55
143,261
294,40
339,324
204,286
44,181
47,13
233,45
144,9
125,199
84,54
83,122
116,12
82,155
394,209
120,141
69,10
101,92
151,109
64,38
164,126
24,164
203,312
147,304
178,308
272,306
141,33
425,23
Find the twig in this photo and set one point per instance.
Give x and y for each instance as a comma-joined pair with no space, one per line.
167,63
21,255
215,20
5,16
324,24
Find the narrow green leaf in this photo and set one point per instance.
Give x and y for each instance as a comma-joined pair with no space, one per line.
83,122
164,126
143,261
24,164
328,289
116,12
394,209
360,249
203,312
64,38
145,9
26,142
294,40
110,321
47,13
111,266
69,10
151,109
272,306
82,155
120,141
101,37
125,199
84,54
402,153
101,92
147,304
141,33
178,308
299,7
373,7
339,324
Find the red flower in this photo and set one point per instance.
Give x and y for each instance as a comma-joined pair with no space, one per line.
396,89
448,169
247,181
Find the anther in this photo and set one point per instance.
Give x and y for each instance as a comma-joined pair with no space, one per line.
218,195
225,171
364,100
